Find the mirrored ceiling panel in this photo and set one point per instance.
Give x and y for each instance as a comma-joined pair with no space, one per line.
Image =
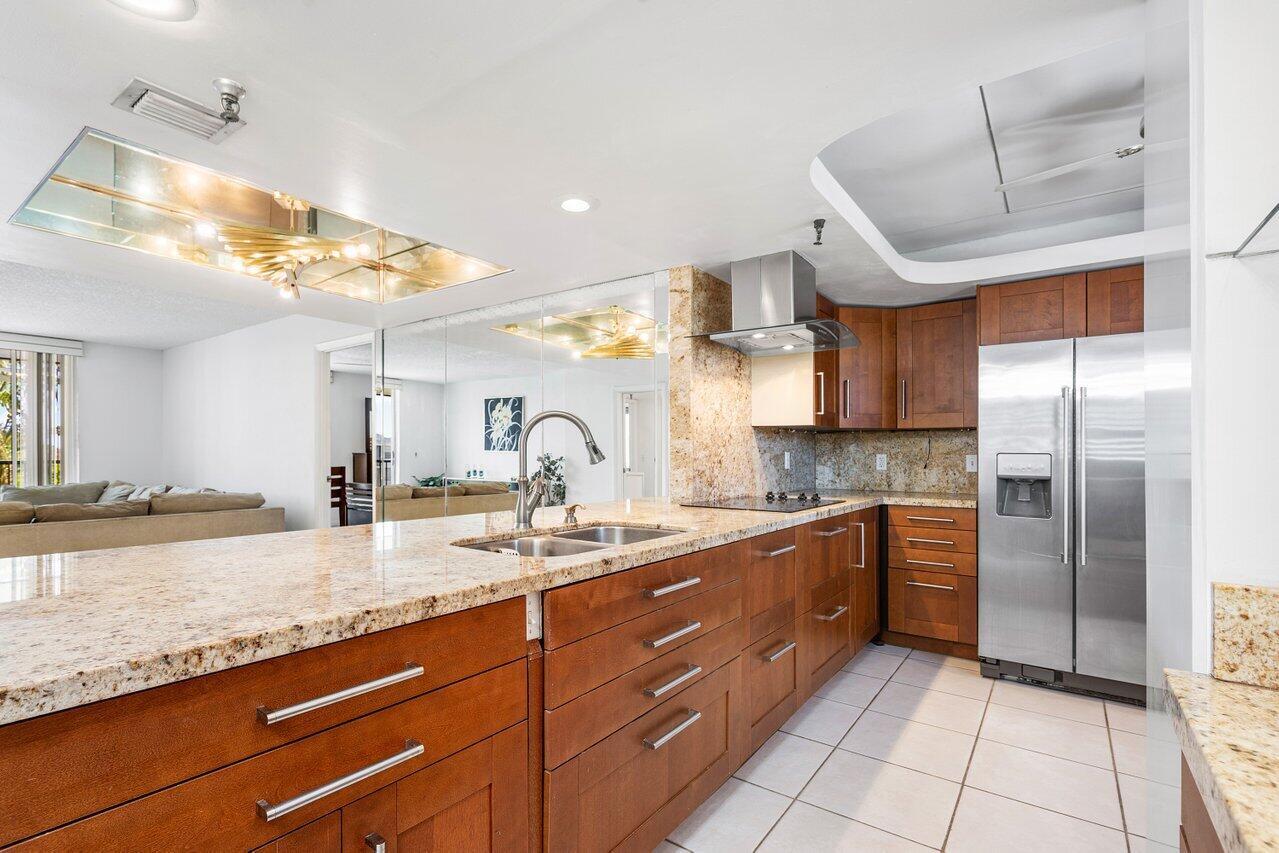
111,191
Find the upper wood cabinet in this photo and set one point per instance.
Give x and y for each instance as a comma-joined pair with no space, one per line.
1116,300
937,365
1043,309
867,392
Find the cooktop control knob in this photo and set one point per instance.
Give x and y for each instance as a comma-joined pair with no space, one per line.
770,497
781,496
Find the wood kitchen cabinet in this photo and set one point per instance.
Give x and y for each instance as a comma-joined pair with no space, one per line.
1042,309
867,387
937,365
1116,300
932,579
865,577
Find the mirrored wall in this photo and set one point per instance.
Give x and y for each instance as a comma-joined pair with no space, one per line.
454,395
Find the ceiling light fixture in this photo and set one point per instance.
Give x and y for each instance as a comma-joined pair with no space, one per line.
758,335
160,10
788,346
207,230
574,204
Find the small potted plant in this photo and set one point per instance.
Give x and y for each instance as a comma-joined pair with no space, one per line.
551,470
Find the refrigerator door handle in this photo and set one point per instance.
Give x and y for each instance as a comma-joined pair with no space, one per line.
1067,408
1081,427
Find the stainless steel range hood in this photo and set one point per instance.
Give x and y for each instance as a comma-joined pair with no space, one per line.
775,309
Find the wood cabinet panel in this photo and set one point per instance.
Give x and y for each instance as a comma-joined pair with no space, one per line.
825,641
933,604
773,682
961,541
576,611
1198,835
1042,309
588,719
86,759
927,516
933,561
771,583
612,790
826,389
868,372
578,667
318,836
219,809
937,365
865,578
1116,300
823,559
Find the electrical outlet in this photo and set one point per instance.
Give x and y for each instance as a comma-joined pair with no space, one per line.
970,463
881,461
786,460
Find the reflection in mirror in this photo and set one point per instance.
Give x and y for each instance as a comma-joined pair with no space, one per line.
598,352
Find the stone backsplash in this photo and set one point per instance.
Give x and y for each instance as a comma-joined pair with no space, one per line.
918,460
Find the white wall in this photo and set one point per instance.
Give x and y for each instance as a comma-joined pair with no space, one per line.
118,419
240,412
421,430
347,393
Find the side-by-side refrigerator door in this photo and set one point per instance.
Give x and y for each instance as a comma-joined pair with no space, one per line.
1025,577
1110,533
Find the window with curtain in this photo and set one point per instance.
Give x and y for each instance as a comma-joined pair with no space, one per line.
36,423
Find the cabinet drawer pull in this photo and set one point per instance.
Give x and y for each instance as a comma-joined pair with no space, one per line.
671,587
937,519
930,563
692,626
778,552
773,657
375,842
654,692
861,528
930,541
931,585
412,749
693,716
835,532
831,617
270,718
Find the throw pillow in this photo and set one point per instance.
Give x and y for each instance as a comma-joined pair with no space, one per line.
85,512
484,488
428,491
116,490
143,493
397,493
16,512
208,502
68,493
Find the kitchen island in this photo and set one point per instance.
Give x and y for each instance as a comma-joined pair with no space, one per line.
192,623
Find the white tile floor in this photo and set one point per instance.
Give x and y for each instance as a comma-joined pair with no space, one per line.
913,751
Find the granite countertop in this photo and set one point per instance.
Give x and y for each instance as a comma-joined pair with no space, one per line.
1230,738
77,628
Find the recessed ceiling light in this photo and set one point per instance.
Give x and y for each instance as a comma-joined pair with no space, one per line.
788,346
160,10
759,335
575,205
206,230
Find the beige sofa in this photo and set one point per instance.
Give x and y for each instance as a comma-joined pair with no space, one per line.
90,516
406,503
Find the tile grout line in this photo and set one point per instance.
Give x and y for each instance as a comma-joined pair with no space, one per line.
1119,794
963,783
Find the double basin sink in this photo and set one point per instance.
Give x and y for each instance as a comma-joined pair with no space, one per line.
566,542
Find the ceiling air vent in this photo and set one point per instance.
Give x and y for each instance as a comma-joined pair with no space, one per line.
177,111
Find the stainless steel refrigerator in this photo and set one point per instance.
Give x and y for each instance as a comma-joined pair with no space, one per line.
1061,513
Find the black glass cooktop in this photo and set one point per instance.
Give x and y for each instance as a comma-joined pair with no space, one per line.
781,502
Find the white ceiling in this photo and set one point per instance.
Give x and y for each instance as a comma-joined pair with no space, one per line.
464,122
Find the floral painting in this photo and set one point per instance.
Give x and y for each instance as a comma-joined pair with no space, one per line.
503,421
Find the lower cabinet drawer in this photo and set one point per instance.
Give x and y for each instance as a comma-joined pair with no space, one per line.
249,803
773,679
591,717
923,560
933,604
634,787
825,641
961,541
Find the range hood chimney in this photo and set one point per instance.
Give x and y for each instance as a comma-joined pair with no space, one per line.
775,309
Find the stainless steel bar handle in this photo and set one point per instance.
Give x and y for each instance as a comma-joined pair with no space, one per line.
671,587
902,408
931,585
692,626
773,657
412,749
847,411
270,718
930,518
835,532
930,563
930,541
778,552
375,842
693,716
821,391
831,617
1081,427
861,527
653,692
1065,474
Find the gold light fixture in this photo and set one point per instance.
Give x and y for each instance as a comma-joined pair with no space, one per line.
107,190
608,332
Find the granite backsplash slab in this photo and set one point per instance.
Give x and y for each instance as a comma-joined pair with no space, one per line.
918,460
1245,634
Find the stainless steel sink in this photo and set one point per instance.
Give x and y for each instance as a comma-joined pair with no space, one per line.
536,546
614,534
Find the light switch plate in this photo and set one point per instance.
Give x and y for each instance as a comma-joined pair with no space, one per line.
881,461
786,459
970,463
